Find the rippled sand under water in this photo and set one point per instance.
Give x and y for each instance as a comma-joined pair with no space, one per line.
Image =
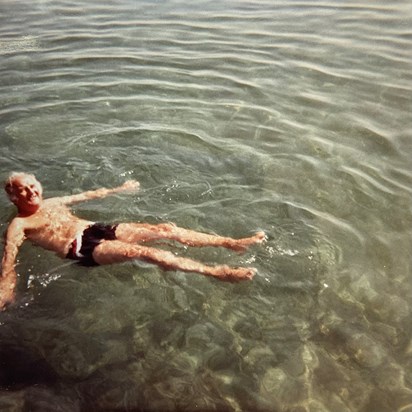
293,118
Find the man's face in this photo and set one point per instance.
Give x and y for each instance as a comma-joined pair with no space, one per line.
27,193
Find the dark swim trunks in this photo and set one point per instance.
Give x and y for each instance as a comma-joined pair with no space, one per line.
82,247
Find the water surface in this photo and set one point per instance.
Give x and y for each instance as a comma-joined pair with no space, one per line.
292,117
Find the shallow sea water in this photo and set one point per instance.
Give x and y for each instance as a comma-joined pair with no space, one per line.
292,117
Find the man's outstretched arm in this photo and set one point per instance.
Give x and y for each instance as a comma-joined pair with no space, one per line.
14,239
130,185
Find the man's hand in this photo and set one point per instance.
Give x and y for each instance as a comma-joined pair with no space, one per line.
130,185
6,292
8,278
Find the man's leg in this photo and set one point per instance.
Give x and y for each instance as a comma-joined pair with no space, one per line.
141,232
115,251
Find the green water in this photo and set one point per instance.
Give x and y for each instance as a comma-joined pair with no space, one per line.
235,116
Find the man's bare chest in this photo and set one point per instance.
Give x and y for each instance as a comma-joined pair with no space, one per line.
50,218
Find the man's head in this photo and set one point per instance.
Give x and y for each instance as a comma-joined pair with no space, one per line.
25,191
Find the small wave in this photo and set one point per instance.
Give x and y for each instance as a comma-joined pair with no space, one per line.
21,44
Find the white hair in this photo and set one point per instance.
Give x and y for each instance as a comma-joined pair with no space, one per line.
9,183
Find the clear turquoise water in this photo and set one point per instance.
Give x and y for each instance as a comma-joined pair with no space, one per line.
293,117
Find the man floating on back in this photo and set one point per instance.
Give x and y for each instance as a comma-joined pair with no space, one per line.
50,224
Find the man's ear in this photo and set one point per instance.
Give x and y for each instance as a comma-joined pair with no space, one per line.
10,193
8,187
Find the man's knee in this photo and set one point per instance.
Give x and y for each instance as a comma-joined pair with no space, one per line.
166,227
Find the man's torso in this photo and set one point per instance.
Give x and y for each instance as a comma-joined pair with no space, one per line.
53,227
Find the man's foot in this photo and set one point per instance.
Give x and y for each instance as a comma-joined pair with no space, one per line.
240,245
228,273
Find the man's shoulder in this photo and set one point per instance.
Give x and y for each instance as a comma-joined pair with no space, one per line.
54,201
17,225
21,223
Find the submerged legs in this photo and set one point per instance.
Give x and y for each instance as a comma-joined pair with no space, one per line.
115,251
141,232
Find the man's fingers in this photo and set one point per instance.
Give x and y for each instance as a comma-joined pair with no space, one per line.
131,185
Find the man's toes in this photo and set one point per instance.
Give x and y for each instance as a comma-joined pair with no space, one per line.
250,273
260,236
242,274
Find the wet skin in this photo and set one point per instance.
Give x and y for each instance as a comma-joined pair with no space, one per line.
50,224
